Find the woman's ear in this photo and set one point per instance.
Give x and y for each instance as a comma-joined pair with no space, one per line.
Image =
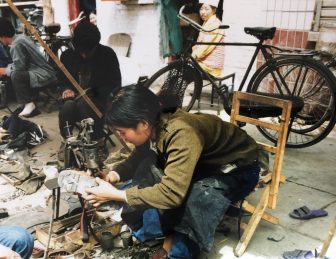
143,124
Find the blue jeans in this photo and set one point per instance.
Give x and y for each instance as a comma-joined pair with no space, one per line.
193,224
17,239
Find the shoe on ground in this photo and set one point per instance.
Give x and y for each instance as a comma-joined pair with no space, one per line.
76,181
28,109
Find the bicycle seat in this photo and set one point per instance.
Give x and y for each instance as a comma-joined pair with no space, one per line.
261,33
52,28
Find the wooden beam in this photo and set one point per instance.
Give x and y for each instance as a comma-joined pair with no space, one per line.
252,224
80,90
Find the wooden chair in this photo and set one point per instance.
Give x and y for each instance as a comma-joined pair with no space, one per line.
268,198
120,43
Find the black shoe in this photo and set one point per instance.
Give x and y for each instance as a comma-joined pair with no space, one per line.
18,110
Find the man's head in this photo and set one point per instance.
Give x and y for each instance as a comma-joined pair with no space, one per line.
86,38
7,31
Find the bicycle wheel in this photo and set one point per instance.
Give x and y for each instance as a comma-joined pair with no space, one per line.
58,47
311,81
180,79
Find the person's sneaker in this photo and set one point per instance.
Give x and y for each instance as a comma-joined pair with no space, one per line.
76,181
28,109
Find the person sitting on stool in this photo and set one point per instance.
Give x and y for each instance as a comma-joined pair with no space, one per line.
96,68
29,69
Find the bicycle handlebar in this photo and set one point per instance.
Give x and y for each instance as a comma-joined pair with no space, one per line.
195,24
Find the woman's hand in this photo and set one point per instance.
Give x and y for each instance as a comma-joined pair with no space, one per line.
111,177
103,193
68,94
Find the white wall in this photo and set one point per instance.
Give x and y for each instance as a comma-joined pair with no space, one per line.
285,14
61,15
141,22
239,14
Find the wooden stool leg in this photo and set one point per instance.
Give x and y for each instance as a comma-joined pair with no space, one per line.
326,244
252,224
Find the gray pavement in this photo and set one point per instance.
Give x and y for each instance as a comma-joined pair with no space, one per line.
311,181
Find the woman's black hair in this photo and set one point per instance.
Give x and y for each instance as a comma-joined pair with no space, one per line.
6,28
132,104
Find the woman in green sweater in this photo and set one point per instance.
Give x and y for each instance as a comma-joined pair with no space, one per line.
186,170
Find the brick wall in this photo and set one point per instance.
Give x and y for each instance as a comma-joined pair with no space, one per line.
293,19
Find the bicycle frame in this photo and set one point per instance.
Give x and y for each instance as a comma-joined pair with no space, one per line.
258,47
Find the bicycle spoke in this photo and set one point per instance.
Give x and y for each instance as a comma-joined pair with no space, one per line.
310,81
177,79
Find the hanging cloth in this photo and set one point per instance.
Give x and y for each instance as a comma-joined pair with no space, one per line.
170,30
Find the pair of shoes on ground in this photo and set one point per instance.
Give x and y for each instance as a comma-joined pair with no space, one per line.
305,213
28,110
301,254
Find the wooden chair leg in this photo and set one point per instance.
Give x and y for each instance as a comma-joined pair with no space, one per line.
252,224
326,244
167,243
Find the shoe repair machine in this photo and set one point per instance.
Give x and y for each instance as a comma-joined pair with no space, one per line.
80,153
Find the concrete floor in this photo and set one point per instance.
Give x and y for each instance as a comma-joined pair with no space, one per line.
311,181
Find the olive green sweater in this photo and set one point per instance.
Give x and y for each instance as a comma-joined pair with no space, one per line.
184,141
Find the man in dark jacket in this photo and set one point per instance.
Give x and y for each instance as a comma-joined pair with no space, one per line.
96,69
27,68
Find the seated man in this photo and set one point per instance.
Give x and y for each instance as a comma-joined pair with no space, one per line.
96,68
29,69
210,57
15,242
186,170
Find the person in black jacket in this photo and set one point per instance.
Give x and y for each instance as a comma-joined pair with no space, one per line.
96,69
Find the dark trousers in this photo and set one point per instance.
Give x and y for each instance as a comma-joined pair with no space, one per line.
21,83
207,201
73,111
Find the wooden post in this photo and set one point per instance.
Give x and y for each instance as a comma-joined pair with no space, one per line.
48,13
326,244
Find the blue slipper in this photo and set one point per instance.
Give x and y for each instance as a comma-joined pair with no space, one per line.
298,254
305,213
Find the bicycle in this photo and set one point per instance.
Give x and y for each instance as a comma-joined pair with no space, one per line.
284,74
58,44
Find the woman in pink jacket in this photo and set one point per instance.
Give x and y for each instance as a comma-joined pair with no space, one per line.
210,57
